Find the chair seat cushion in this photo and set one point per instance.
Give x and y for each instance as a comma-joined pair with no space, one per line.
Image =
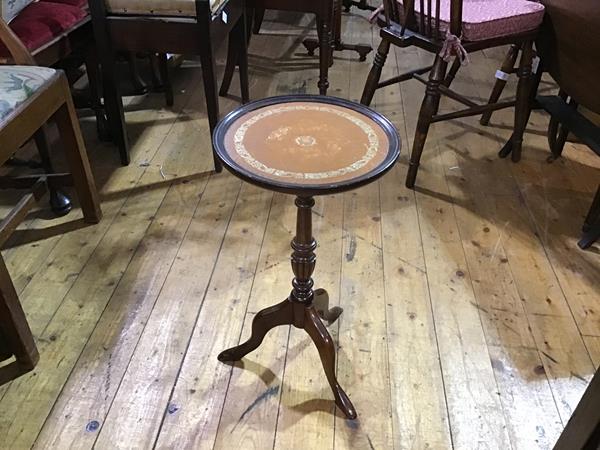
488,19
18,83
178,8
41,22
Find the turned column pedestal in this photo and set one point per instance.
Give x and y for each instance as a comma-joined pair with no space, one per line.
304,308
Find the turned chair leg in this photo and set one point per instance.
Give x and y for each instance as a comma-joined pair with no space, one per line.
429,108
508,66
452,72
325,53
523,105
375,73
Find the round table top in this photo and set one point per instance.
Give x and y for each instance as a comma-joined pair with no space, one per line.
306,144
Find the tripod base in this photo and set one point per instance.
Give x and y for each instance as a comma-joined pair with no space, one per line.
305,315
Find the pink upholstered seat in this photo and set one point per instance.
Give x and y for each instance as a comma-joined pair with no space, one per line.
487,19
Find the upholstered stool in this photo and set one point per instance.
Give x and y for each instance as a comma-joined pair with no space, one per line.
305,146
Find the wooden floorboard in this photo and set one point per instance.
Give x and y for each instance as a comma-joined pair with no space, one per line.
471,318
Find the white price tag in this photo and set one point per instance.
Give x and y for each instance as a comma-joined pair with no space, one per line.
501,75
224,17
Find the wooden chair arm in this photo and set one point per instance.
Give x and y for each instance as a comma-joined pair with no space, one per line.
17,49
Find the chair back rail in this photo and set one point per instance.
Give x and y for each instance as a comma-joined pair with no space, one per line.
17,50
424,20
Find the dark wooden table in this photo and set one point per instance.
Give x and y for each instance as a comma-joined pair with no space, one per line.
305,146
569,47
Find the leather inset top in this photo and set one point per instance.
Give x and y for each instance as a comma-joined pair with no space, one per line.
306,143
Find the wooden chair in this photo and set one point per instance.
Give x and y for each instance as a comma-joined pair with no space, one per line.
451,29
54,32
322,9
30,96
191,27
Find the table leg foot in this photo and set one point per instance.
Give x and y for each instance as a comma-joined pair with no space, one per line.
362,49
311,45
324,343
264,321
321,303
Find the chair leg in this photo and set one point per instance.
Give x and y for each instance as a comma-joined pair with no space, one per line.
429,107
92,68
243,57
59,201
237,53
116,116
76,155
112,96
138,84
557,132
165,78
210,91
375,73
113,103
259,15
325,48
523,105
230,64
14,328
452,72
591,226
508,66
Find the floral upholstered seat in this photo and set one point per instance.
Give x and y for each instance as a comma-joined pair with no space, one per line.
9,9
178,8
488,19
18,83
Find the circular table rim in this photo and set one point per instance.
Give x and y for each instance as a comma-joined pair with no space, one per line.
308,189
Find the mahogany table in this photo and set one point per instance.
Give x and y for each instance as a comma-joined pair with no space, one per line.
305,146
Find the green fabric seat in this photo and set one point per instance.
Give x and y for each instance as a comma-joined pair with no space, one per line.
18,83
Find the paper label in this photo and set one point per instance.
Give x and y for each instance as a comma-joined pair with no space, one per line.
501,75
